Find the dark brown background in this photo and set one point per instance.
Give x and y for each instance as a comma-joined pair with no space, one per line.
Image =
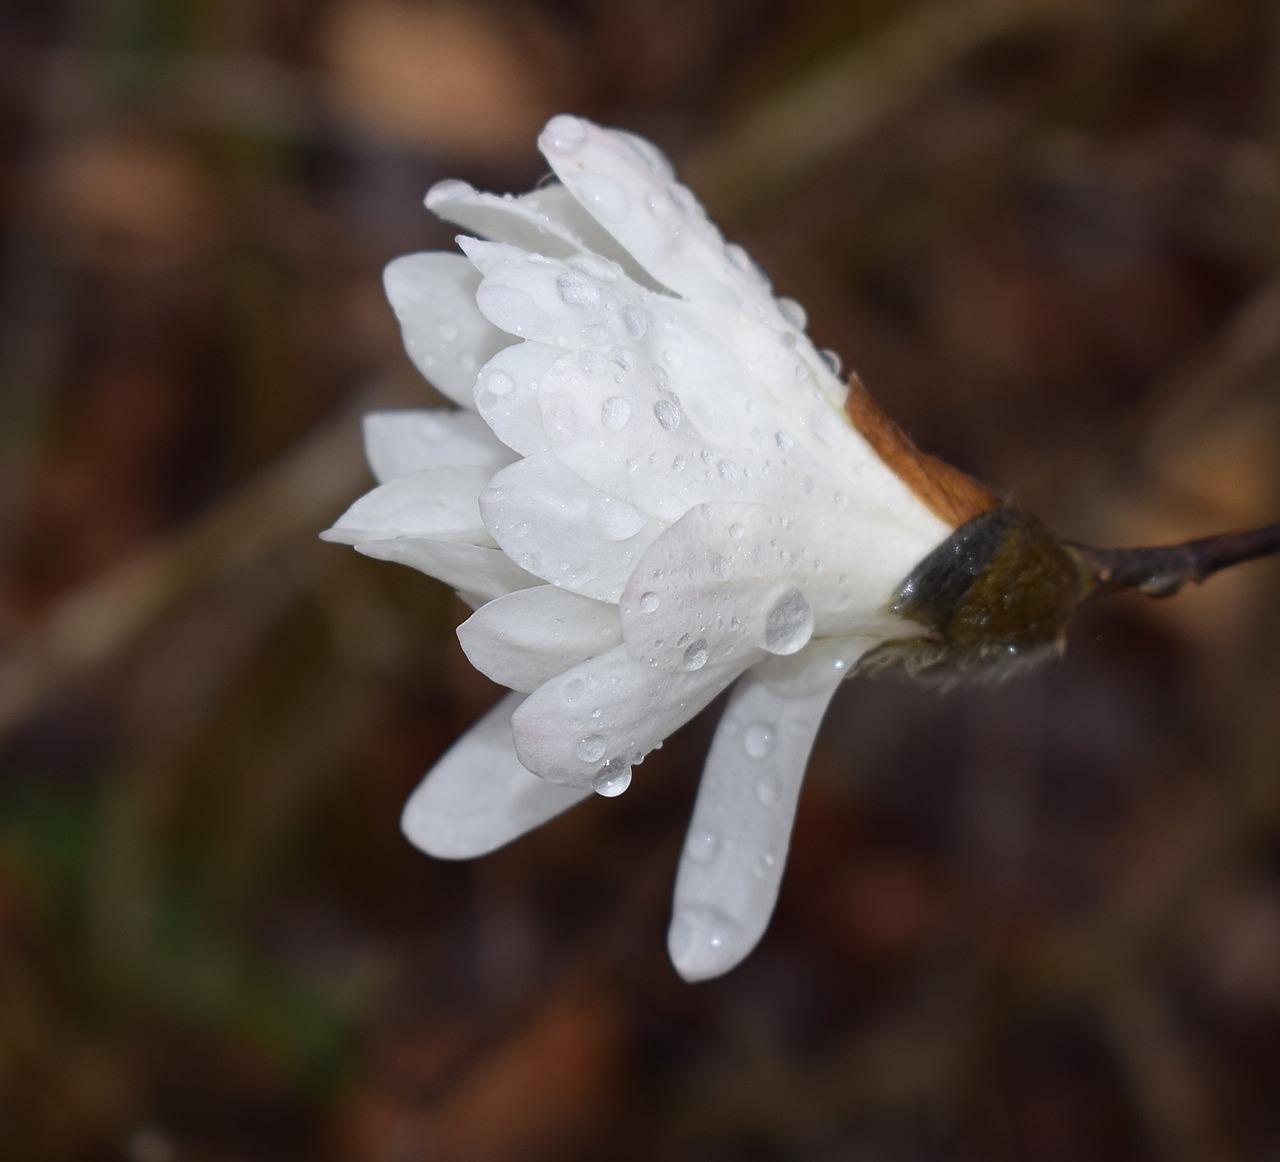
1036,922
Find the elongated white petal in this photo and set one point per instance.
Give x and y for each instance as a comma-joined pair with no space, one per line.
528,637
437,500
478,796
547,221
601,717
478,572
736,846
632,194
561,529
397,443
446,336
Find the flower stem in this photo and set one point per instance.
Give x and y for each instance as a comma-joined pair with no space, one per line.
1161,570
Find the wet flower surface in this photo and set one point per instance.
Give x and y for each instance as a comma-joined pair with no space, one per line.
651,491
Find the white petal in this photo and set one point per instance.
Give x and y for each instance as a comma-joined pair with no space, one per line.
528,637
507,395
736,846
631,193
579,303
445,335
437,500
556,526
397,443
546,221
750,576
478,796
477,572
610,711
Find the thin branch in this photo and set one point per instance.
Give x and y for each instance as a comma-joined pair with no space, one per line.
1160,571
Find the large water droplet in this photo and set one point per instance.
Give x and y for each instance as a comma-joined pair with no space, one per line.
616,519
695,655
590,748
577,290
615,412
738,257
564,134
668,414
498,382
793,312
613,779
648,602
784,440
721,567
789,623
736,531
758,739
728,471
635,320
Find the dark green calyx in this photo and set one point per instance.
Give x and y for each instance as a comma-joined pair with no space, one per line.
1000,589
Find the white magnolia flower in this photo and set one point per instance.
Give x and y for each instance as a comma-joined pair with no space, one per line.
653,490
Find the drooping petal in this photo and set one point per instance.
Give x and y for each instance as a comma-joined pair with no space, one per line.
436,500
478,796
528,637
736,846
397,443
477,572
610,712
446,336
557,527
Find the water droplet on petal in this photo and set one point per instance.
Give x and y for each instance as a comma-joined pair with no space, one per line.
737,256
784,440
793,312
613,779
615,412
767,792
648,602
695,656
721,567
603,196
635,320
616,519
758,739
736,531
564,134
447,331
590,748
498,382
577,290
728,471
832,359
668,414
789,623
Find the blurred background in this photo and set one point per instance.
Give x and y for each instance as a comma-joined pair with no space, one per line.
1037,922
